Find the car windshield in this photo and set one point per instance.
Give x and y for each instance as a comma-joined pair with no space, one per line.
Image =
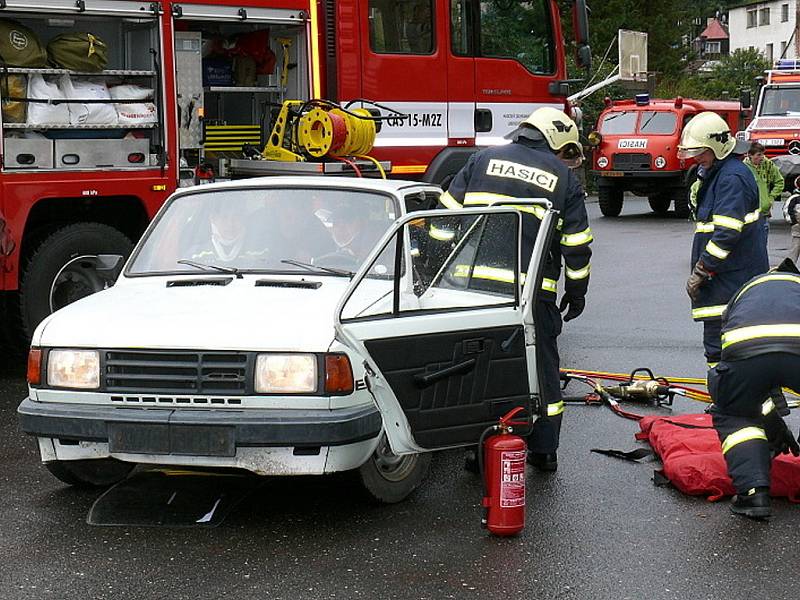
286,230
657,122
619,122
780,101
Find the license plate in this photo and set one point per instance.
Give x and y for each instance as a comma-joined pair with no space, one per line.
189,440
771,142
614,174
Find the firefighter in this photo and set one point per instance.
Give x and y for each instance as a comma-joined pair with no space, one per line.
537,165
760,352
729,244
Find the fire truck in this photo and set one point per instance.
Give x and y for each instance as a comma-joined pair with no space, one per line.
776,124
636,150
210,78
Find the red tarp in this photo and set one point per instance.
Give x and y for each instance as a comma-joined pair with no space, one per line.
692,457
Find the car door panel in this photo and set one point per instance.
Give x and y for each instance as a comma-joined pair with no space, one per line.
492,380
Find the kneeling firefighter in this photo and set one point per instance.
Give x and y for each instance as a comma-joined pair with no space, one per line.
729,246
760,352
537,165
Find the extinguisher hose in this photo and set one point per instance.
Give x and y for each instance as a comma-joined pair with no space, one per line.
481,468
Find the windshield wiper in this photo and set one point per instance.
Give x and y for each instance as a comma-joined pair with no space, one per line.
646,123
317,268
206,267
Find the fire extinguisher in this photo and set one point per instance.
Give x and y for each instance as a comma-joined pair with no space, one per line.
501,458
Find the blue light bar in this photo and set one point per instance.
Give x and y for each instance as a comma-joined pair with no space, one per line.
787,64
642,99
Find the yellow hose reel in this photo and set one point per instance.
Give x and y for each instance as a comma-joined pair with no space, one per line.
324,131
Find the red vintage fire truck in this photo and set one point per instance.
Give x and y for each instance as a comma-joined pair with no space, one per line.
450,76
636,150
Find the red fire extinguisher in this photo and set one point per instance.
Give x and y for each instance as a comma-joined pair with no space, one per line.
502,464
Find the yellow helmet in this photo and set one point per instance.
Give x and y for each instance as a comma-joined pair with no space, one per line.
558,130
706,131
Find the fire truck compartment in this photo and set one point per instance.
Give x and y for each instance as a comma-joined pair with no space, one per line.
28,154
80,154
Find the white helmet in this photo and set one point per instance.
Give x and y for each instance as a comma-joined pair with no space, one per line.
558,130
706,131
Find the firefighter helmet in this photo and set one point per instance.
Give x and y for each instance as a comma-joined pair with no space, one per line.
706,131
558,130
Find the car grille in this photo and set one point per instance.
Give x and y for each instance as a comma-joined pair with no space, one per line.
631,162
176,372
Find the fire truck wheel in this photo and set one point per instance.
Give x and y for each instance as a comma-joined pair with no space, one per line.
101,472
659,203
387,478
610,200
48,259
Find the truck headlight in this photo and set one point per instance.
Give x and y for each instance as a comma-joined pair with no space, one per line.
661,162
286,373
602,162
73,369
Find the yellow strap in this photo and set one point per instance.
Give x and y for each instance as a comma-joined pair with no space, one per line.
449,202
578,273
728,222
577,239
549,285
555,409
741,436
91,39
752,217
701,227
489,273
715,250
767,407
485,198
705,312
443,235
766,278
744,334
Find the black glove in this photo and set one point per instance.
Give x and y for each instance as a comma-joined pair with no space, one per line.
698,277
576,304
781,440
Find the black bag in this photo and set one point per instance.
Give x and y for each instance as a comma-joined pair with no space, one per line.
20,47
78,52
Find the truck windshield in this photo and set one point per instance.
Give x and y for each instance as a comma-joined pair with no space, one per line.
619,122
287,230
657,122
780,101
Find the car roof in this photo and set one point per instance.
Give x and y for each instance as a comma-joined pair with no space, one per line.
392,186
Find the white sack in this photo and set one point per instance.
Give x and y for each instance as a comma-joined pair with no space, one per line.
138,113
40,113
88,89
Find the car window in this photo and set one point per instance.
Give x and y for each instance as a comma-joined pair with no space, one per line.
619,122
265,230
657,122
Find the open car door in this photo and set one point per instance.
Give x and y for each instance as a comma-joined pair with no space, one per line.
446,326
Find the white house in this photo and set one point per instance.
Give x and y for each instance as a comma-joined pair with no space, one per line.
768,26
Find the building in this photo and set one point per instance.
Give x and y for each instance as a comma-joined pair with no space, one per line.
769,26
713,43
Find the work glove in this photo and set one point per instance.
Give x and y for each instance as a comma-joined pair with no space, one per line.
698,277
780,439
574,306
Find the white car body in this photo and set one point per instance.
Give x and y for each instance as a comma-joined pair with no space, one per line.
144,316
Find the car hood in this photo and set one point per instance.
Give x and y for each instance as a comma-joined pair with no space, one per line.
145,313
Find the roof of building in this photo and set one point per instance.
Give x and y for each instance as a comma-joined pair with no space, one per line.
715,31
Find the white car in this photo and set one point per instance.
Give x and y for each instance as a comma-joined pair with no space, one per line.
293,325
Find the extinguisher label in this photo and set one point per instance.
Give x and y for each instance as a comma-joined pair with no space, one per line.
512,483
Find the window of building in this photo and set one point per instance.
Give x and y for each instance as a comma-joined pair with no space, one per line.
401,27
752,18
713,47
763,16
768,53
784,13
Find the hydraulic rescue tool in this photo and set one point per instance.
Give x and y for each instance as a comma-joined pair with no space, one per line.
501,458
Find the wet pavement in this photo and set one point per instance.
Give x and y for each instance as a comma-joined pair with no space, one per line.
597,529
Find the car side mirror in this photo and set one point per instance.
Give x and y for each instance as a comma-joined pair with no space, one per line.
745,99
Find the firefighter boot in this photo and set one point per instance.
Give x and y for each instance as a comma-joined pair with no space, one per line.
754,504
543,462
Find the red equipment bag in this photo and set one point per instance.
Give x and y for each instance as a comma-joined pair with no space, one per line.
691,453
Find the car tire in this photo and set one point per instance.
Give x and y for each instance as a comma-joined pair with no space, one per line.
93,473
660,203
610,200
52,254
682,203
387,478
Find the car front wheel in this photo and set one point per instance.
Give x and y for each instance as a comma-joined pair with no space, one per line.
388,478
101,472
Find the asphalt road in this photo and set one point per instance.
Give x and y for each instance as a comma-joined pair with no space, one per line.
597,529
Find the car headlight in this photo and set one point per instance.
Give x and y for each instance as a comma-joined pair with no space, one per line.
286,373
602,162
73,369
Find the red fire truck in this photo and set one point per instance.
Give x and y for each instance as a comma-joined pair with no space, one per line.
776,124
636,150
453,75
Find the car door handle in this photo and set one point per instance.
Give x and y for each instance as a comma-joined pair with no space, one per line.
429,379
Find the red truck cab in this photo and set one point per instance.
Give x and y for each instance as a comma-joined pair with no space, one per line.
636,150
